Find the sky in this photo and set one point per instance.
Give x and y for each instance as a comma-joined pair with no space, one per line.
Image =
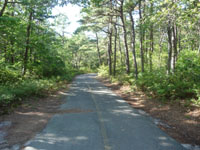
73,14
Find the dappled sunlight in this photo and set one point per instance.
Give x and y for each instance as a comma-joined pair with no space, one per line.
120,101
100,92
63,93
125,112
52,139
112,119
122,107
32,148
31,113
162,138
166,144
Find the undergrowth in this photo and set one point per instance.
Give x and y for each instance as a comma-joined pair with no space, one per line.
14,88
183,84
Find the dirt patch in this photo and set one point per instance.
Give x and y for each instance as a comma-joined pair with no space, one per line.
184,122
32,116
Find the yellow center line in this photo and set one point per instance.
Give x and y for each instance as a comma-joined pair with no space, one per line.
102,126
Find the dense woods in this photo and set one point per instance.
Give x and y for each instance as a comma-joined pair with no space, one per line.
31,59
152,45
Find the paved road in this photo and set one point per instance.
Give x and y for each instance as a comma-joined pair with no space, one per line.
101,121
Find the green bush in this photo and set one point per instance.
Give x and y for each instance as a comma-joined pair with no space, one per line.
49,67
184,83
8,76
12,93
103,71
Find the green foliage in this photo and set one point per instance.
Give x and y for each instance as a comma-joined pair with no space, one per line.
50,66
8,76
15,92
162,85
122,77
21,90
184,83
103,71
188,65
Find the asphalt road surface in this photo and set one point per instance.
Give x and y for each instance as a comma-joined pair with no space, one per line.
100,120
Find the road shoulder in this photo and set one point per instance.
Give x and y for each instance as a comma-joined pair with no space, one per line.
178,122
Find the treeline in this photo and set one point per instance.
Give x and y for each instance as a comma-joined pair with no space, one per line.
32,55
27,42
156,43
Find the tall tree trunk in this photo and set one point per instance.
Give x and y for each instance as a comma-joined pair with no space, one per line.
141,38
98,50
151,40
146,48
144,31
169,33
125,37
151,48
110,51
12,39
174,31
28,31
120,48
110,41
133,45
3,8
115,51
160,48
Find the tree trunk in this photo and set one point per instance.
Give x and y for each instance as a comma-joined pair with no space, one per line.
3,8
115,51
169,33
151,48
174,31
125,38
141,38
28,31
133,45
160,48
110,52
151,40
12,39
120,49
98,50
110,41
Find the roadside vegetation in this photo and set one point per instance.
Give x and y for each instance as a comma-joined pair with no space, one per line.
33,57
182,85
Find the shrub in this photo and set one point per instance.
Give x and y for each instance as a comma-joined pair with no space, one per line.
103,71
8,76
13,93
184,83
